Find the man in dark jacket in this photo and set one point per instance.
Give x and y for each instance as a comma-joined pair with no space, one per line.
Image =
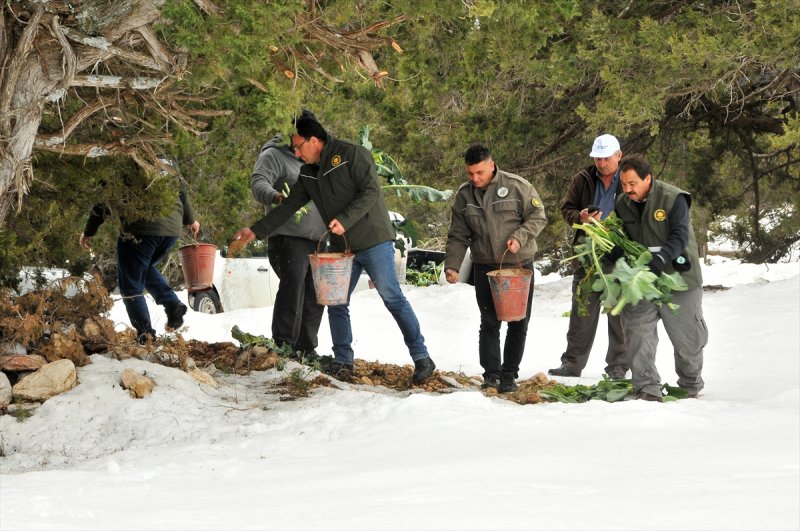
296,315
592,194
656,214
140,247
493,213
342,181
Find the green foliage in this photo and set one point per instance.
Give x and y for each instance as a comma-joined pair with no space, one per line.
427,275
704,89
631,280
396,183
606,390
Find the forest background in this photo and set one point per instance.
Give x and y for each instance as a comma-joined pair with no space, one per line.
92,91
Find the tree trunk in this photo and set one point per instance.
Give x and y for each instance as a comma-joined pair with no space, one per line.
41,58
24,88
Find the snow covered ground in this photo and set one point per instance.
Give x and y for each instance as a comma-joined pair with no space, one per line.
192,457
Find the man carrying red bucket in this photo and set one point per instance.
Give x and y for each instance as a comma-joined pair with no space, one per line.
495,213
342,181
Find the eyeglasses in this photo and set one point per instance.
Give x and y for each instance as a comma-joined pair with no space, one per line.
297,147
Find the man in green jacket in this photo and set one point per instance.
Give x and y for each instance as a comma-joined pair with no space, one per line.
494,213
141,245
342,181
656,214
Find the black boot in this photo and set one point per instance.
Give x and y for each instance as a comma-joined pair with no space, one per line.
491,381
423,369
564,370
337,369
175,315
507,384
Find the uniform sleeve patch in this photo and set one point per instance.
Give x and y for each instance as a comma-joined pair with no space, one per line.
660,215
336,160
535,202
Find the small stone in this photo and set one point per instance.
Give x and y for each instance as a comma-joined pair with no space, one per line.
540,378
15,363
203,377
52,379
5,391
138,385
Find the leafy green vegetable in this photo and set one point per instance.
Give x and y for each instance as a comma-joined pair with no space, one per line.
606,390
427,275
303,210
630,281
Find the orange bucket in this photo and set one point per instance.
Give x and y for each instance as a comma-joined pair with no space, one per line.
331,274
510,290
197,262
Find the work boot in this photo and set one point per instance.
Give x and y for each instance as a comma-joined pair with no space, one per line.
507,385
175,315
564,370
336,369
649,397
490,381
617,373
423,369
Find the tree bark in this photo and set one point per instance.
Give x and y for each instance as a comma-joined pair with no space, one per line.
44,58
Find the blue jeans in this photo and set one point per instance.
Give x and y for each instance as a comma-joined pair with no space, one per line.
136,261
378,262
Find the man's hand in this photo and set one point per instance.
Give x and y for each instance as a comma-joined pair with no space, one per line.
451,275
85,242
194,228
584,215
336,227
513,245
245,235
278,198
657,264
240,240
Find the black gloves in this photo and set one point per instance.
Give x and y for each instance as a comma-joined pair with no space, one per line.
657,264
682,264
613,255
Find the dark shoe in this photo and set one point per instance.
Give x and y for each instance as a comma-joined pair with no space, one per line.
617,373
650,398
423,369
309,356
507,385
563,371
492,382
175,315
147,337
337,369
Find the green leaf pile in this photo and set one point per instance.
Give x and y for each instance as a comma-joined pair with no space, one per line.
630,281
606,390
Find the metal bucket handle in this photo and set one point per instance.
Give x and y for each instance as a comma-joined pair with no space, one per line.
502,258
346,244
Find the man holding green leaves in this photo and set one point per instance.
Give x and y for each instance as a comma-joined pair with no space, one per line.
656,214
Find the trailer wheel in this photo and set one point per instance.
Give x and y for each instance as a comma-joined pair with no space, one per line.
207,302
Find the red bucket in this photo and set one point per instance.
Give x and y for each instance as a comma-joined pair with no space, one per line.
331,274
510,290
197,262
